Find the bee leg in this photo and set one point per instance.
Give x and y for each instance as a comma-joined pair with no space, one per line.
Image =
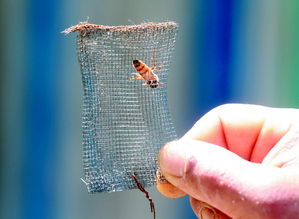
154,60
154,67
139,77
159,68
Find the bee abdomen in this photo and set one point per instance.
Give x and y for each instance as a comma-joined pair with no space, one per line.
140,67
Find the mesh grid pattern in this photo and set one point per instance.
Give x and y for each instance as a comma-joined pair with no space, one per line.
124,122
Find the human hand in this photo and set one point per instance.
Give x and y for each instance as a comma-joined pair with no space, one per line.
238,161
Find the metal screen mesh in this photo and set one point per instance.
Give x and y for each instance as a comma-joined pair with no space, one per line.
124,121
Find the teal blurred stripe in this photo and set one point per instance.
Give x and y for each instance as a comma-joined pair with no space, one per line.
288,80
12,73
2,119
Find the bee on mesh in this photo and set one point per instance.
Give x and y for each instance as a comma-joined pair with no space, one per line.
146,73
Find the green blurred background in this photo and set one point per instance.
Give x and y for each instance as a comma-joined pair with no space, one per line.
240,51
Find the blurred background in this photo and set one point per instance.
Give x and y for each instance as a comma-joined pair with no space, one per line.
240,51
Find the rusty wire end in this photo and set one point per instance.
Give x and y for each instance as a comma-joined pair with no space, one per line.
142,189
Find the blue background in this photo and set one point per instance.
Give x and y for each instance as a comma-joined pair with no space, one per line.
227,51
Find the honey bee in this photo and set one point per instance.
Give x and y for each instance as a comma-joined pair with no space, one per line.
146,73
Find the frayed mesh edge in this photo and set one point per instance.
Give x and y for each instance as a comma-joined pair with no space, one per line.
160,178
87,27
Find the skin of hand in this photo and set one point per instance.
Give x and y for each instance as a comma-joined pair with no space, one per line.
237,161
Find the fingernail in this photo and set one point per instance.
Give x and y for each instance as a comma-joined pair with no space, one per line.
207,213
172,159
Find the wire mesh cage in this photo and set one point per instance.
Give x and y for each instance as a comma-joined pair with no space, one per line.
125,121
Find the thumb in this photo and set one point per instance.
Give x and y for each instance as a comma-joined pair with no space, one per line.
218,177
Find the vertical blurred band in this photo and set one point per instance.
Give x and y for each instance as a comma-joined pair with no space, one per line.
40,108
